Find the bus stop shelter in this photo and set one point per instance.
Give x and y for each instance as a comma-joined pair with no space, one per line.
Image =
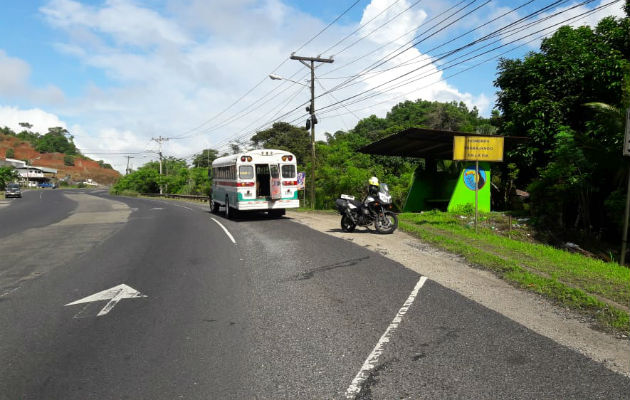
432,188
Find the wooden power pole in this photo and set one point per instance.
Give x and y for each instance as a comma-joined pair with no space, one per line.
159,141
309,62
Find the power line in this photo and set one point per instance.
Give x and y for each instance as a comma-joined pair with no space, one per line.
189,133
446,54
580,16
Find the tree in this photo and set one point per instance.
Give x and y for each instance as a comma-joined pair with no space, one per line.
284,136
7,175
103,164
68,160
10,153
26,125
572,155
55,141
205,158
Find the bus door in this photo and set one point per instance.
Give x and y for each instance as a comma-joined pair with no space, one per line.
263,187
276,190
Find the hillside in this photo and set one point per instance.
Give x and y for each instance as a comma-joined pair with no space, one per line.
83,168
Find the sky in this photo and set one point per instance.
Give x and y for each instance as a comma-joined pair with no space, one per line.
118,73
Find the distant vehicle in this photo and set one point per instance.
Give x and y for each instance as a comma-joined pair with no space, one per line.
263,180
12,190
46,185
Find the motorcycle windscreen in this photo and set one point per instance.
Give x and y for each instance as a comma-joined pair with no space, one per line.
276,190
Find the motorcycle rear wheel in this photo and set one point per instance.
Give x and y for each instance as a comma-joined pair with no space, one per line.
347,225
386,222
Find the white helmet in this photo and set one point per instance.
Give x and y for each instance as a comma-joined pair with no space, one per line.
373,181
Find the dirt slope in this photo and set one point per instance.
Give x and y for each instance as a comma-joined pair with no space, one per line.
82,169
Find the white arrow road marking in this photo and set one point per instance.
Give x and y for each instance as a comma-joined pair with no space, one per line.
114,295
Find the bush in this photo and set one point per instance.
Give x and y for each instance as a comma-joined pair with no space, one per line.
10,153
68,160
126,192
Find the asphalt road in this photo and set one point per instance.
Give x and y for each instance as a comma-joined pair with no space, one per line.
284,312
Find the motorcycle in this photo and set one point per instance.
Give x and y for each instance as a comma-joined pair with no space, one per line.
373,209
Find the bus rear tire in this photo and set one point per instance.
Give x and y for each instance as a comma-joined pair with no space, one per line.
230,213
227,207
214,206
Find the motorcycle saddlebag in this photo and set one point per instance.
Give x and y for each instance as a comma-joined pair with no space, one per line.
341,205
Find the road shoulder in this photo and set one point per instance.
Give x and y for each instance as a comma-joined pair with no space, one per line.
451,271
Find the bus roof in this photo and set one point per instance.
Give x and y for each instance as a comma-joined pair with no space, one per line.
233,158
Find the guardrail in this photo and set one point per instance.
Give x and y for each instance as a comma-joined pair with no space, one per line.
177,196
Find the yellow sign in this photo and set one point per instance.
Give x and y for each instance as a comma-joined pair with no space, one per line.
478,148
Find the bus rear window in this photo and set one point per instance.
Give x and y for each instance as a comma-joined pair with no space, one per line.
288,171
246,172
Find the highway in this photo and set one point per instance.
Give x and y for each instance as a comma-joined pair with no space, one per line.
202,307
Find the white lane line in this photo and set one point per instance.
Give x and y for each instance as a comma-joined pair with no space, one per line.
225,230
370,362
176,205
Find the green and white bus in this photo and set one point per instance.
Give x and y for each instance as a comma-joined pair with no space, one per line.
257,180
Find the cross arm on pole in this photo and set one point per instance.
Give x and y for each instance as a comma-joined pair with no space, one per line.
316,59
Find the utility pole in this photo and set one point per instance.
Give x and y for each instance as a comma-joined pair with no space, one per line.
626,215
127,170
159,141
311,110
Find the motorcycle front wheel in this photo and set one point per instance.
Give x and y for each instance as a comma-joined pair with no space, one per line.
347,225
387,222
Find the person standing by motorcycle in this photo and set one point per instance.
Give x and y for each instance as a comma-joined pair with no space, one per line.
372,193
373,186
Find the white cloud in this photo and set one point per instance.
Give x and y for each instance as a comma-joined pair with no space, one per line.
125,22
41,120
14,74
172,70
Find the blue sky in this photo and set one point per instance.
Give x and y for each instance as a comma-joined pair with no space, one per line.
118,72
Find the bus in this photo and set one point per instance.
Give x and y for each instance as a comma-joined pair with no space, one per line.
256,180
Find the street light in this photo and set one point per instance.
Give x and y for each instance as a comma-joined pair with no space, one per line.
279,78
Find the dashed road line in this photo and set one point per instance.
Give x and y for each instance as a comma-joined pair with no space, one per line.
188,208
371,361
225,230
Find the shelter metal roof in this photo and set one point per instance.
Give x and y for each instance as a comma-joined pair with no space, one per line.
423,143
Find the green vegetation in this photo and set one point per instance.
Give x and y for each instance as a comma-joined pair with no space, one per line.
56,140
103,164
572,164
68,160
7,175
594,287
177,178
10,153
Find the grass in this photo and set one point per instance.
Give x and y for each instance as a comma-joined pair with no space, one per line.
593,287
